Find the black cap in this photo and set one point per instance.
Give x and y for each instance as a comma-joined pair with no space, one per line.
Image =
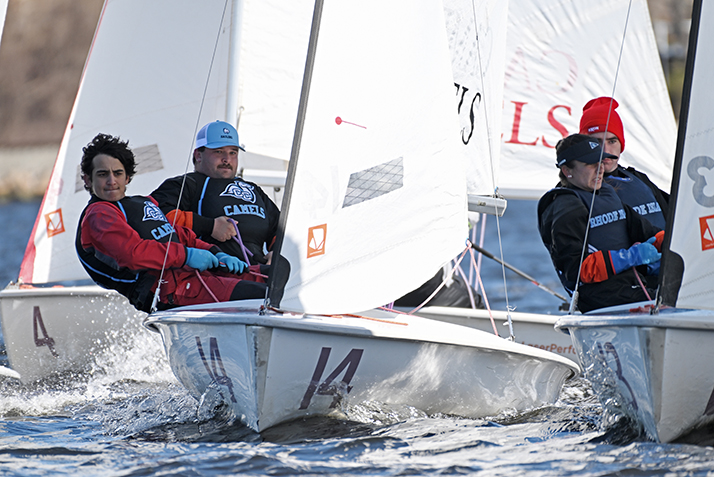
588,151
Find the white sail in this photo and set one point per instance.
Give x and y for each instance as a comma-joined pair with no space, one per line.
378,200
693,228
477,41
139,83
3,13
561,54
273,45
144,80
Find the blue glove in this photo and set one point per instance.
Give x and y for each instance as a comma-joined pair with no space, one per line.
639,254
200,259
232,263
653,268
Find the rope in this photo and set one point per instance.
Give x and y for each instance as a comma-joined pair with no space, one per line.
574,300
200,278
443,282
639,280
183,182
239,239
483,295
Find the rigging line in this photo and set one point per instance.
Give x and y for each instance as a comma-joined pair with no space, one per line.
485,109
574,300
443,282
472,300
190,155
485,298
237,237
200,278
493,175
639,280
519,272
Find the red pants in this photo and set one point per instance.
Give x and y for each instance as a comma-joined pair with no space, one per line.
182,286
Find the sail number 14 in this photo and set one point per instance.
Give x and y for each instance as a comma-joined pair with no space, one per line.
330,386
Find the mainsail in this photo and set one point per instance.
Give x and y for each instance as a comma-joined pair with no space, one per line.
376,198
157,71
692,230
561,54
477,42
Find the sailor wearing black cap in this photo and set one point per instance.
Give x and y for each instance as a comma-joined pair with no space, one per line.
614,256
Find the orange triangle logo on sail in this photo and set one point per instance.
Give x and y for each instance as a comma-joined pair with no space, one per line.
316,240
706,224
54,222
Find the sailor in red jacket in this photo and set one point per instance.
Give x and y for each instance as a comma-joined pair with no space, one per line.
123,241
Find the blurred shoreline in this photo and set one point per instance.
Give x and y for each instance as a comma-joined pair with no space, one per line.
25,171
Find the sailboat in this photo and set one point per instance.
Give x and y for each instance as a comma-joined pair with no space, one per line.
52,314
651,361
375,203
146,80
557,55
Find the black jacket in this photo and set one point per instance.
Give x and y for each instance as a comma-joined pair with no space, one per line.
562,222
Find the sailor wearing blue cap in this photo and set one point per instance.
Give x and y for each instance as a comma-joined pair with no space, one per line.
216,203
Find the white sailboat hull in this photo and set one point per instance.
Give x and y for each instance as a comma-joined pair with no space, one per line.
276,367
61,329
650,367
532,329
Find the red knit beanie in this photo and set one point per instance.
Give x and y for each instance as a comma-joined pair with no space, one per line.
595,118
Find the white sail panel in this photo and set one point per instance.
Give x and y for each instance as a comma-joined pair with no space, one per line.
144,81
561,54
378,201
3,13
693,228
477,41
273,46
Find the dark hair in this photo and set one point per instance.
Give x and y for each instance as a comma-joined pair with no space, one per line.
199,149
111,146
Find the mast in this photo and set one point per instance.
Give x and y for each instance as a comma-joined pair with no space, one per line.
280,269
670,276
232,112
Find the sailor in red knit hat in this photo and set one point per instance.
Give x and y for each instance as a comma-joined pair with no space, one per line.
601,120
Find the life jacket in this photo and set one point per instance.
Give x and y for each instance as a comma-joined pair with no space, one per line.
637,195
137,285
608,221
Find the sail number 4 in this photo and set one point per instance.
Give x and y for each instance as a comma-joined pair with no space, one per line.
39,325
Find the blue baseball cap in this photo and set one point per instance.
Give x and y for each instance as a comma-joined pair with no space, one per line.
587,151
217,134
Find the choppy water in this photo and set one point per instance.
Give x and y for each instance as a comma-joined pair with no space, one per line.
130,417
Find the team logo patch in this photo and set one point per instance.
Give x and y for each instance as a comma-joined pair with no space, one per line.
706,225
152,212
240,190
316,240
54,223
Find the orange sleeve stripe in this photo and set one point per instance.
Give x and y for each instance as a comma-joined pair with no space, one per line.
182,218
594,268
